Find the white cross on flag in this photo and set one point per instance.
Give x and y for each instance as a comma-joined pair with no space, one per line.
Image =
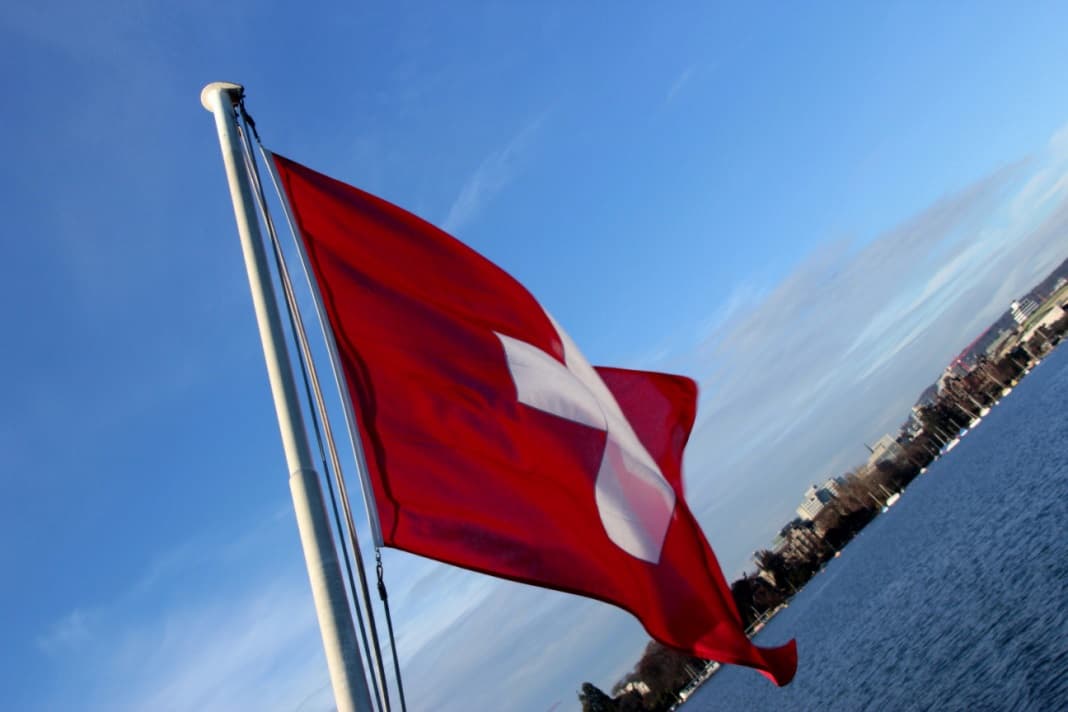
494,445
633,498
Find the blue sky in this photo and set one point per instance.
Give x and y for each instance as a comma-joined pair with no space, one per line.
810,210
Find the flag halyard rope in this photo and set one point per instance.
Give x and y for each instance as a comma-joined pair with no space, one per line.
354,436
318,411
384,595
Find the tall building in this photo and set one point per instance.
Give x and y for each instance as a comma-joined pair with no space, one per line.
815,498
1023,308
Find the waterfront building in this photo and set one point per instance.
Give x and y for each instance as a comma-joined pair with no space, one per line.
639,686
927,397
795,541
886,448
812,504
831,485
1023,308
994,349
1051,317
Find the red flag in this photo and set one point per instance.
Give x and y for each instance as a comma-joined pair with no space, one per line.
492,444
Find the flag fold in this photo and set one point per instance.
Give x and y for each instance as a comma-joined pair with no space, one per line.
492,444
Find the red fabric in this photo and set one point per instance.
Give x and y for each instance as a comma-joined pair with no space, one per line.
465,473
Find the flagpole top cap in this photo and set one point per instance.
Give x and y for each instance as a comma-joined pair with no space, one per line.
233,90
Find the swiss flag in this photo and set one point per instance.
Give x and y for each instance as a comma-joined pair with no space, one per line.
492,443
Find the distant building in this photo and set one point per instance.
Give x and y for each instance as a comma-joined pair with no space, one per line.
812,504
995,347
831,485
796,540
953,370
638,686
1023,308
1052,316
959,369
929,396
886,448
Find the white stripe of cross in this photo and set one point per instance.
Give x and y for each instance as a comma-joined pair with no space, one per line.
633,498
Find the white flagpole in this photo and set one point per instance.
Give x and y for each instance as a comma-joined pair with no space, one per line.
331,603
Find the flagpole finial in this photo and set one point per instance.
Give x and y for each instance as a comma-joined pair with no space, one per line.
217,88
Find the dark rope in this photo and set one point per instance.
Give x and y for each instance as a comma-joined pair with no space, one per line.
389,626
247,118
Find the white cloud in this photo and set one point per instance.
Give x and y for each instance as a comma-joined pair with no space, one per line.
433,598
524,649
836,353
680,81
70,632
495,172
258,650
242,634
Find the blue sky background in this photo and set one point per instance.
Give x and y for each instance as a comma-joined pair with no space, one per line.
810,210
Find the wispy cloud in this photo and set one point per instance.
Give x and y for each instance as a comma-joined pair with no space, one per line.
836,353
495,172
222,656
680,81
432,599
558,631
243,635
69,632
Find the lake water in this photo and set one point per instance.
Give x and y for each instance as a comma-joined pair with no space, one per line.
957,598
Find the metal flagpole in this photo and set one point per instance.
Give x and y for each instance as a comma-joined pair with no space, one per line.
324,570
